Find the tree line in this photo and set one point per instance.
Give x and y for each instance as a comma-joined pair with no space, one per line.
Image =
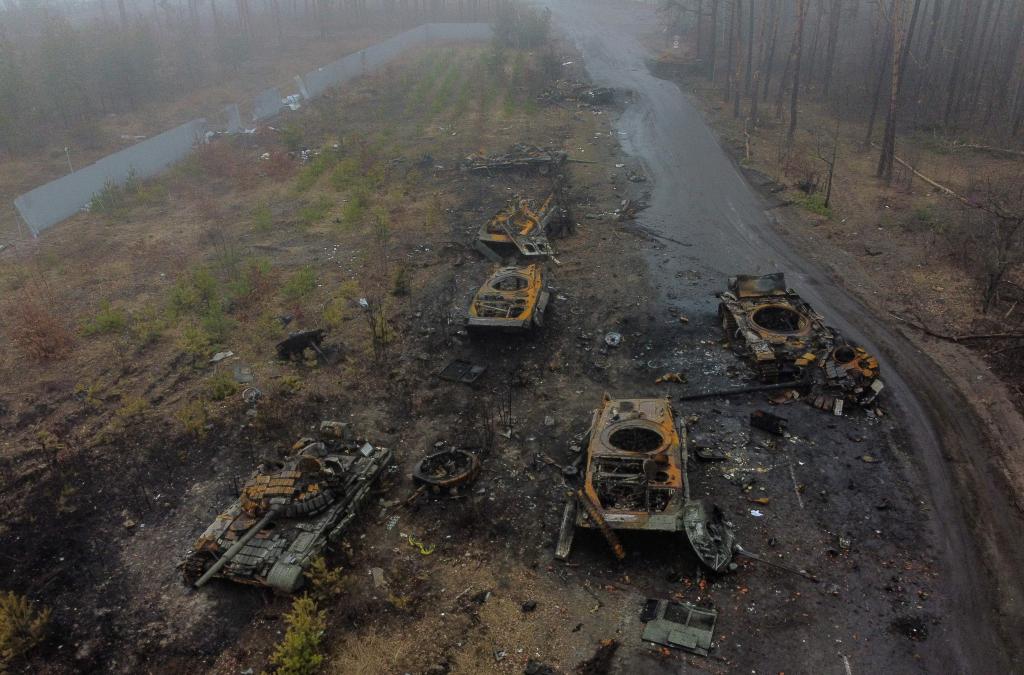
62,67
952,67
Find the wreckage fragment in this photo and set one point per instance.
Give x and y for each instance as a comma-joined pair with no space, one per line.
679,625
449,469
519,156
785,340
298,342
513,298
286,514
518,228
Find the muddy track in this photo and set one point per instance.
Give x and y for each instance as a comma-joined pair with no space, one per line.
700,197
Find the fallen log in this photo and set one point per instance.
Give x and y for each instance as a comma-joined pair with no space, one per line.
958,338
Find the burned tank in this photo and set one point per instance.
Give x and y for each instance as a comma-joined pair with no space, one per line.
771,326
636,480
287,512
785,340
512,299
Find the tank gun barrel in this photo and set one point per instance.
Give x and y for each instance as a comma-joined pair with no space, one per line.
237,546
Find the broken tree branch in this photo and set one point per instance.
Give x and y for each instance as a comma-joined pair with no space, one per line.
941,188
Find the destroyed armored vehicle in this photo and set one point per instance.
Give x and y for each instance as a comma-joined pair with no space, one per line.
519,156
771,326
518,228
513,299
785,340
286,514
636,480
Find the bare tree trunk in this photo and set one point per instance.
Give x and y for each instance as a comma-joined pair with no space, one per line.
985,65
830,51
750,51
769,62
737,20
123,12
819,12
883,69
954,76
700,24
755,89
885,160
798,45
729,48
714,39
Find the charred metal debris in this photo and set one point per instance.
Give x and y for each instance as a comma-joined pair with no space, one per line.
784,340
512,299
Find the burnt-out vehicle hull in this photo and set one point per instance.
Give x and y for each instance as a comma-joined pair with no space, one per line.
636,480
785,340
513,299
286,515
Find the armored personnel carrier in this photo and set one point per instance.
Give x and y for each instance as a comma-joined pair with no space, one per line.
636,480
286,514
513,299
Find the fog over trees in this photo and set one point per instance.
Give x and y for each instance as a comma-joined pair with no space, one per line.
952,67
65,64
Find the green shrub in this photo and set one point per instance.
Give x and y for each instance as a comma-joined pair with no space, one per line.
400,284
345,174
522,27
193,417
299,652
313,212
291,136
326,582
355,208
22,627
194,294
262,218
221,386
300,284
194,342
108,320
815,203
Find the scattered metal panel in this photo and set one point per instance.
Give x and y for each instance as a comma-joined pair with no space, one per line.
49,204
710,535
765,421
462,371
679,625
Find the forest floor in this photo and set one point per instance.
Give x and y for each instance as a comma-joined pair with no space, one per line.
266,66
121,441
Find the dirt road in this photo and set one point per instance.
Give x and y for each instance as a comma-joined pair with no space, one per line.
720,227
